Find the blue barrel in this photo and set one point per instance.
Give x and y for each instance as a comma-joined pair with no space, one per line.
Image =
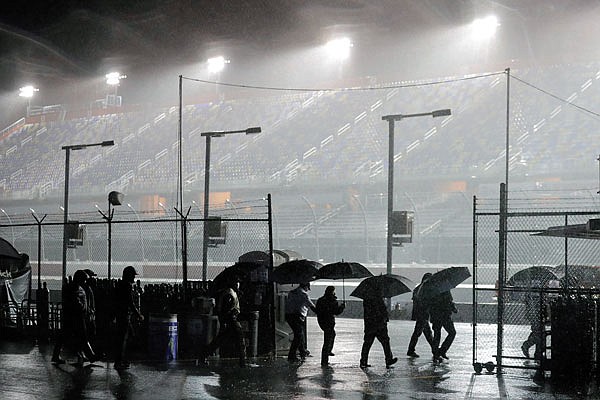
162,337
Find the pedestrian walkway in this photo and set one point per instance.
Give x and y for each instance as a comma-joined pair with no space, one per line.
26,373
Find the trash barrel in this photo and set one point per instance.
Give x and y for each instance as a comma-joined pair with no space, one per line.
162,337
200,330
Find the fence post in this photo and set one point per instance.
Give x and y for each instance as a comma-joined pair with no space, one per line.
501,274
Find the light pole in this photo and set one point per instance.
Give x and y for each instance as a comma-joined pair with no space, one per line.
209,136
139,231
12,228
391,119
66,199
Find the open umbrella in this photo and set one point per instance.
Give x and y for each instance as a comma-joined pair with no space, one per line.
388,285
343,270
443,281
297,271
240,271
535,277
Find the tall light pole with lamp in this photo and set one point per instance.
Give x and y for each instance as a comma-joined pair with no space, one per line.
68,150
391,119
209,136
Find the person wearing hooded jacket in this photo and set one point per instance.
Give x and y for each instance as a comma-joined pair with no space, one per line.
74,329
327,308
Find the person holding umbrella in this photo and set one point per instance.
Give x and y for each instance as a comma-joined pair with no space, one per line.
228,311
327,308
420,314
375,320
441,309
297,305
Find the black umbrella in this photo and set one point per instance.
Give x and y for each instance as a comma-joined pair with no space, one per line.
343,270
239,271
535,277
443,281
388,285
297,271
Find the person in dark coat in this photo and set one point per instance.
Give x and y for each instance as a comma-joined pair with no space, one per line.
441,308
533,307
375,315
297,305
327,308
228,311
90,315
420,314
74,329
124,307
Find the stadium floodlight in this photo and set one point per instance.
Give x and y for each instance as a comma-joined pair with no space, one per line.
28,91
216,64
339,48
484,28
390,195
114,78
209,136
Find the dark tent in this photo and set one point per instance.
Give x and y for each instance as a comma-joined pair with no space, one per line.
15,281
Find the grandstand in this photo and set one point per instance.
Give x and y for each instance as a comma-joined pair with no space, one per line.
323,155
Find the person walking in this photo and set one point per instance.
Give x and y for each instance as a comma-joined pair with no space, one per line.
228,311
375,315
533,311
297,305
327,308
124,307
441,309
74,329
90,315
420,314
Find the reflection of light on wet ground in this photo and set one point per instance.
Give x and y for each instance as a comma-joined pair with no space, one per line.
25,373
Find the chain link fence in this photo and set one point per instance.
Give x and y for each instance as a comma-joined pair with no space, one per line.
150,240
543,254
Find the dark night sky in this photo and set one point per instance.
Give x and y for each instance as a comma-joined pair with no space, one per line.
54,43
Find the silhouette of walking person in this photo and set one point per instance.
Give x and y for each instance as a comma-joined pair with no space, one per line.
228,311
327,308
441,309
125,307
420,314
375,315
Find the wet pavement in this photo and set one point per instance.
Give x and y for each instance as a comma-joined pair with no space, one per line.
26,373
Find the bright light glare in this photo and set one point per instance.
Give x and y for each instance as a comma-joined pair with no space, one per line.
27,91
484,28
114,78
339,48
216,64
